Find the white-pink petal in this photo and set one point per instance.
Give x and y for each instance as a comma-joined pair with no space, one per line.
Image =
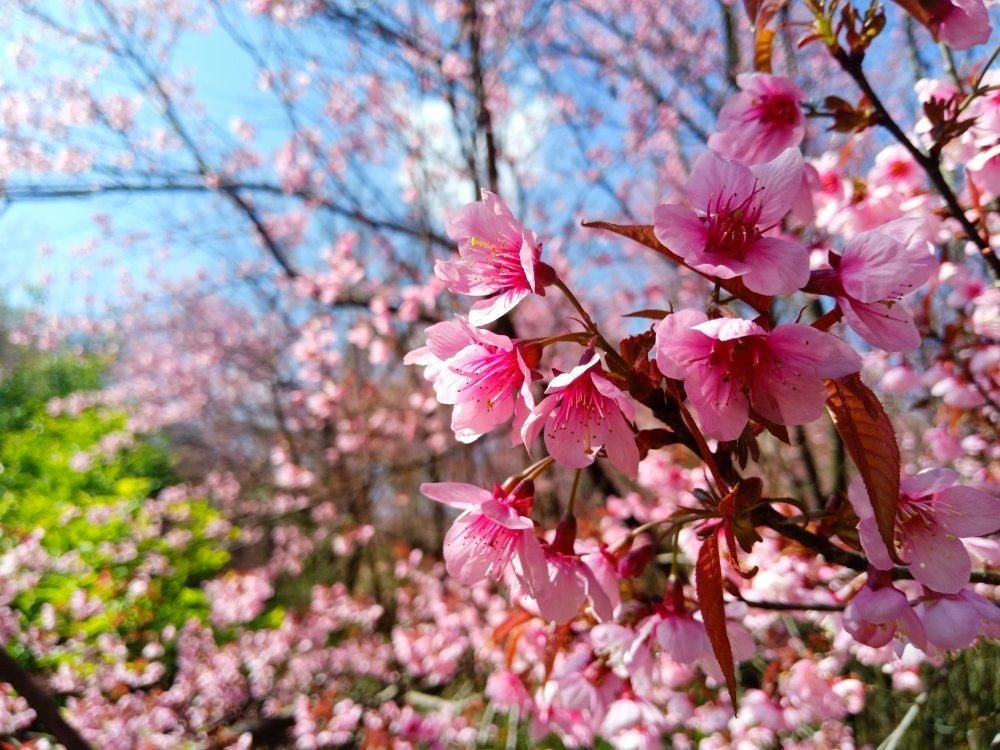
456,494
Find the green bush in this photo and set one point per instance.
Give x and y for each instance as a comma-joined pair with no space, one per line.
137,559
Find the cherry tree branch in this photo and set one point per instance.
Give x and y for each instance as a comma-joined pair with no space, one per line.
930,163
766,515
794,606
47,711
484,118
27,193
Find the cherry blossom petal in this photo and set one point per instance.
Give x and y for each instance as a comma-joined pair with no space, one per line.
886,325
949,623
714,181
727,329
571,444
780,181
787,398
535,421
936,558
871,266
683,638
446,339
874,547
813,352
505,515
530,564
486,311
677,344
722,410
529,258
928,482
681,230
456,494
561,599
777,266
465,560
566,378
619,441
964,24
880,605
613,392
596,594
857,494
964,511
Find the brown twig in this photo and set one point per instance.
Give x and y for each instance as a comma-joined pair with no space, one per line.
47,713
930,163
766,515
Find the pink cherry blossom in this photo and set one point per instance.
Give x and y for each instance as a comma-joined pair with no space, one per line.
876,269
954,621
899,380
635,724
933,513
570,581
603,565
291,352
499,259
484,374
735,207
682,637
961,23
880,611
583,412
761,121
811,695
895,170
627,653
238,598
507,691
730,365
493,532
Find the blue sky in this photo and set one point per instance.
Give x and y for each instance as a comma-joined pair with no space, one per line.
226,80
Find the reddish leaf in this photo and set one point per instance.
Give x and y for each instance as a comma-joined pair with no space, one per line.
643,234
918,9
648,313
650,440
808,39
736,507
635,349
871,443
514,620
778,430
708,582
762,11
636,561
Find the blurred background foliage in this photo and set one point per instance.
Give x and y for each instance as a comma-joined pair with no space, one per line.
126,563
133,561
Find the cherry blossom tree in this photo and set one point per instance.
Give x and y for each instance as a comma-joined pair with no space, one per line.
701,308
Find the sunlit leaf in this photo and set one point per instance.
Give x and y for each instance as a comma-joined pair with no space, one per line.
761,13
871,443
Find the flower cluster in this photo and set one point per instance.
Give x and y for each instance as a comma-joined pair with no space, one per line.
710,379
686,472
